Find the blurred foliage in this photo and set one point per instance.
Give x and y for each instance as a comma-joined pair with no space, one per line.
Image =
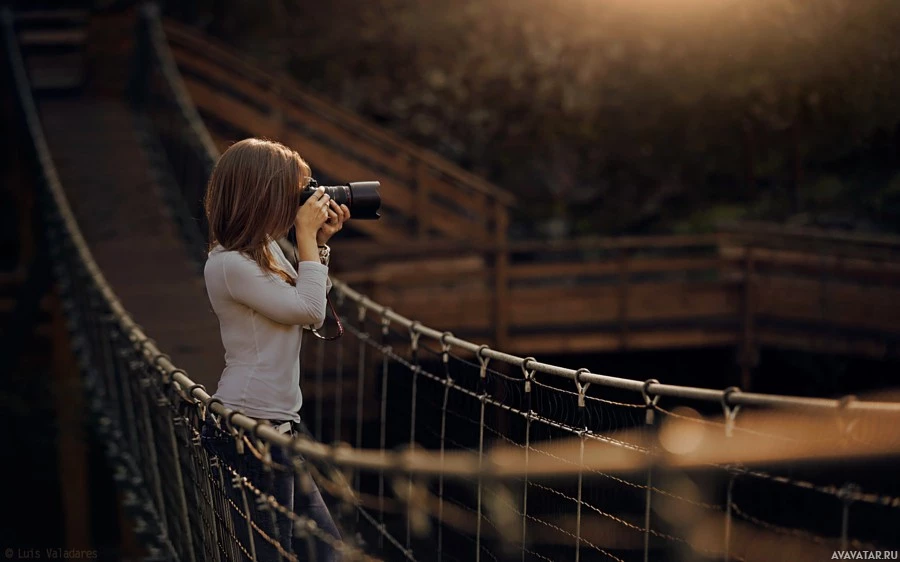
629,115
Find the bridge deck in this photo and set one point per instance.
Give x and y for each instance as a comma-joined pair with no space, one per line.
110,184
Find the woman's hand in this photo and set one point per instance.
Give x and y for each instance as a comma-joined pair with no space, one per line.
337,216
312,214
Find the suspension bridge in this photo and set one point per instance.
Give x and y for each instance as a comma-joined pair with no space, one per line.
434,431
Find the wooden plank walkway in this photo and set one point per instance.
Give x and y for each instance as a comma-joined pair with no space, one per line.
128,227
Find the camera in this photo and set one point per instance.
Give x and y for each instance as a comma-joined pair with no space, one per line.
361,197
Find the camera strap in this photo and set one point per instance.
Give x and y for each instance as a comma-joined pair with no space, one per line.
337,320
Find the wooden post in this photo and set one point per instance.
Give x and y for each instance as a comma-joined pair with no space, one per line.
501,275
420,204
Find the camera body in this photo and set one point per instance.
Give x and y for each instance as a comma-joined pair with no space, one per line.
361,197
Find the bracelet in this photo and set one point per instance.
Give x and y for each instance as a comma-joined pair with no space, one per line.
324,254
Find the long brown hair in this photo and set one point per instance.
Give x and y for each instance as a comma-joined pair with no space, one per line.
252,197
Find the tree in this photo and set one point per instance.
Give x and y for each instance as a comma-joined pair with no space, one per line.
629,115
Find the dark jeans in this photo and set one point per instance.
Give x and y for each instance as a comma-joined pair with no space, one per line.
283,486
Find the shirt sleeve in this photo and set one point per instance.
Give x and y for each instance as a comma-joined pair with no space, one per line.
272,297
322,323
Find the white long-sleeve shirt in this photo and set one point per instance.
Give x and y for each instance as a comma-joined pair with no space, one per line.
261,319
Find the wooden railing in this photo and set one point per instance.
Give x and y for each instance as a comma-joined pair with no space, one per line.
731,288
450,263
423,194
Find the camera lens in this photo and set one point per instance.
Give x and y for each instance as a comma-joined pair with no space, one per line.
362,198
340,194
366,200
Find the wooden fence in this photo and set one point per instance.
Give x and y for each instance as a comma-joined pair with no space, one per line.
441,252
732,288
424,195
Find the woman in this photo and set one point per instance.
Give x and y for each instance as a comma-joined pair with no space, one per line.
262,302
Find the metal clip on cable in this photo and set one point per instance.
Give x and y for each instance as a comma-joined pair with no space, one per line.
445,361
730,410
649,401
216,418
414,335
414,344
445,348
189,393
236,433
529,374
203,408
385,326
581,387
158,358
169,377
482,375
265,448
132,336
483,361
142,346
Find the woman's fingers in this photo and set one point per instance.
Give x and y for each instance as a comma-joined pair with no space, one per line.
340,212
317,198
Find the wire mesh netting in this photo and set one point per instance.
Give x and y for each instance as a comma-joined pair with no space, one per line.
438,398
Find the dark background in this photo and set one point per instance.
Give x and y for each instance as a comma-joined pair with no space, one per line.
616,116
